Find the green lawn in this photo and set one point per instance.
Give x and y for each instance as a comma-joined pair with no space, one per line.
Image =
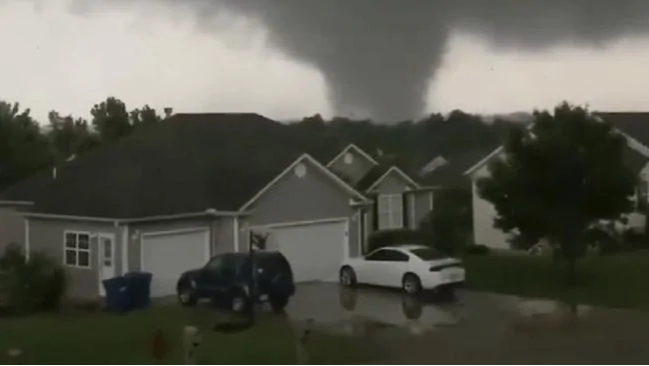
100,338
620,280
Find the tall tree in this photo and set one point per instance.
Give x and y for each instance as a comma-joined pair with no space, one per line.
70,136
144,116
558,177
23,149
111,119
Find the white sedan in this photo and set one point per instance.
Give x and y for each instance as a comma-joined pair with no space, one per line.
410,267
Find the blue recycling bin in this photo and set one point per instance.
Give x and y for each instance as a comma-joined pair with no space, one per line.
117,295
139,289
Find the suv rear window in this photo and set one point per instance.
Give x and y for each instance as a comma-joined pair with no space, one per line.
272,262
427,254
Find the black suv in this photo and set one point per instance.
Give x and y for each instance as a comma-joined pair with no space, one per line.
237,280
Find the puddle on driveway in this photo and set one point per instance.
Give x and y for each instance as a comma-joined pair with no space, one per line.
479,326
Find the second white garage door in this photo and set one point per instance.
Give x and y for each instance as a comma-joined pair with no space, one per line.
168,255
314,251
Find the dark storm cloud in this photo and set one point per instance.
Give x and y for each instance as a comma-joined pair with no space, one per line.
378,56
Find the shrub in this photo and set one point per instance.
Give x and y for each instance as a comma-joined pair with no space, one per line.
30,286
477,249
448,227
386,238
634,240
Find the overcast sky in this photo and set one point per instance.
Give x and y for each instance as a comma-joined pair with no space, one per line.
52,59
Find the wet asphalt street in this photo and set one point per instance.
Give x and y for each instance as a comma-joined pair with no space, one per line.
475,327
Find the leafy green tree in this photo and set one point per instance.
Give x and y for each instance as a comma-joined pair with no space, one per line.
144,116
70,136
448,227
111,119
23,149
556,178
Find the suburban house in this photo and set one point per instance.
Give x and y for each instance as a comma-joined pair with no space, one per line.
634,126
169,196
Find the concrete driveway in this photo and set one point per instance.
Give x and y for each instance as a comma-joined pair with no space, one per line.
475,328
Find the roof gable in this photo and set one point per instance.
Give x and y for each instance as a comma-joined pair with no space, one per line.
304,158
452,174
634,125
392,170
352,148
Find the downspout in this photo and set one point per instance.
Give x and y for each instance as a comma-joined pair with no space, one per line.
236,234
125,247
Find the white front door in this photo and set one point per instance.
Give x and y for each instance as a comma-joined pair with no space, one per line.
106,257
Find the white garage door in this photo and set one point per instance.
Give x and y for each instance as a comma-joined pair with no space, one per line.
168,255
314,251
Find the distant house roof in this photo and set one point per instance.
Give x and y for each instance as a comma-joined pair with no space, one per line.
632,124
371,176
378,172
635,160
635,125
187,163
451,174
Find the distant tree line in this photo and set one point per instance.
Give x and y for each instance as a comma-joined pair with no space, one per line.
27,146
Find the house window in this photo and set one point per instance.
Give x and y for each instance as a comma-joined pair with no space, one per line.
390,211
77,250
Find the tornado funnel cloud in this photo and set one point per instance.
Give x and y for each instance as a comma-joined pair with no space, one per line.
378,56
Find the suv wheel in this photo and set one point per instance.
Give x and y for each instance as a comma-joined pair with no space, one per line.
411,284
347,277
239,302
186,295
278,303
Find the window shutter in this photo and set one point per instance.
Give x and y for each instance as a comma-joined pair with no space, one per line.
406,221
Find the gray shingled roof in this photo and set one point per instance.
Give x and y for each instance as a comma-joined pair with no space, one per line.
187,163
634,124
451,175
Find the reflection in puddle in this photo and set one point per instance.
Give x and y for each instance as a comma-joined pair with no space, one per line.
374,309
538,315
362,310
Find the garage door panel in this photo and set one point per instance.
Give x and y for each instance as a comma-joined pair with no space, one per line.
167,256
314,251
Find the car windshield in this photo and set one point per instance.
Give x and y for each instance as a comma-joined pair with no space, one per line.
427,254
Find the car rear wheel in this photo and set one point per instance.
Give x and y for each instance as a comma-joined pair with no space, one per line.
239,302
411,284
278,303
347,277
186,295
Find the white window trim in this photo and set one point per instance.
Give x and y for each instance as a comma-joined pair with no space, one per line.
77,250
395,216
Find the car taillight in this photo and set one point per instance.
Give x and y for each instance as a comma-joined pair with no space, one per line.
443,266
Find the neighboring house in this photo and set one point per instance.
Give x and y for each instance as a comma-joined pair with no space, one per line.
634,126
448,171
171,195
397,200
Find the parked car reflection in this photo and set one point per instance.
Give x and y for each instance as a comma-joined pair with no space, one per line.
384,308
